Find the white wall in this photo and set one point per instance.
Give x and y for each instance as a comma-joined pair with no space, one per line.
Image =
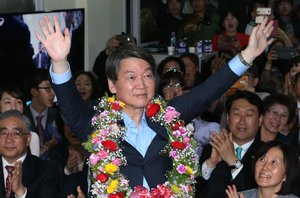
103,18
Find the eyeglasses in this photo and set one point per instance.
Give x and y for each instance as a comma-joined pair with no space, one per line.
14,133
277,115
48,89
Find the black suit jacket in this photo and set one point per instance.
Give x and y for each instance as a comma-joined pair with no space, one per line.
154,165
50,128
67,183
221,176
39,177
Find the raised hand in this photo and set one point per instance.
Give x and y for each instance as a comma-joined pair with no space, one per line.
231,192
259,40
80,193
57,44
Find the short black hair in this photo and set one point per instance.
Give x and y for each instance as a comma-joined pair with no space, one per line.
252,98
161,65
112,66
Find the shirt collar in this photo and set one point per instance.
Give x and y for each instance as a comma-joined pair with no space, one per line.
5,163
244,146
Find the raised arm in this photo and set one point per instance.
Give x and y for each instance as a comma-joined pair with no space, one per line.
56,42
258,41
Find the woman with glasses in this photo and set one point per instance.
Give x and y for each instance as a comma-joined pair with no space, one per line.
278,112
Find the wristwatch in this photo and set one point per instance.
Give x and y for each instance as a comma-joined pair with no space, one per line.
236,164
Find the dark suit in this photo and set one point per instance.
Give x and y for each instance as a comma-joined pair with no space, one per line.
67,183
41,60
154,165
221,176
39,177
50,128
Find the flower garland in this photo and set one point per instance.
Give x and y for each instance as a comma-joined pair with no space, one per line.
106,155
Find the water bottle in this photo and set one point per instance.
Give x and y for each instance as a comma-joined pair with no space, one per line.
199,47
173,39
182,46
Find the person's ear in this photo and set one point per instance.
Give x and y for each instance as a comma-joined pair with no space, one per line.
260,120
28,139
33,91
111,86
255,81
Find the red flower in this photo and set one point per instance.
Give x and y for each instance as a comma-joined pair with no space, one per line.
102,177
178,145
161,192
152,109
116,195
175,126
109,145
116,106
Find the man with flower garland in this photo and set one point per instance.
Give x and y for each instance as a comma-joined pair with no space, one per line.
130,71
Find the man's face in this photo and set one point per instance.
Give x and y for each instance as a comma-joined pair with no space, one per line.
198,5
284,8
135,85
12,147
243,121
43,95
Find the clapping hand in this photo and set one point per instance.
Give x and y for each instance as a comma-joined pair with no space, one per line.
231,192
80,193
17,185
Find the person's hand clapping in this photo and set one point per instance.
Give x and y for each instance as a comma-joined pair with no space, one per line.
17,185
57,44
231,192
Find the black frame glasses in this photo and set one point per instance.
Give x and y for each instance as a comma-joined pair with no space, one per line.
47,89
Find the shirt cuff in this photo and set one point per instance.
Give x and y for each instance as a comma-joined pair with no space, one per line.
60,78
22,196
66,171
237,66
205,171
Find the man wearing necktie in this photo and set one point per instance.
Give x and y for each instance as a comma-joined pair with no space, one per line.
22,175
228,158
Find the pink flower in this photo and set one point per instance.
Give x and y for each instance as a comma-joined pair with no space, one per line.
102,154
176,133
174,155
95,140
186,139
182,131
117,161
170,114
94,159
181,169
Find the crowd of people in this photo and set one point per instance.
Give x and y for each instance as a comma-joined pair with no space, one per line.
243,105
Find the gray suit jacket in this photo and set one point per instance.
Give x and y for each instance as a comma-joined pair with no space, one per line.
253,193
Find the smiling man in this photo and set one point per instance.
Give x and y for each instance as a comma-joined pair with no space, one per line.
228,158
22,175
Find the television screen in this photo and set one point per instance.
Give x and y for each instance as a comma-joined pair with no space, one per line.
20,50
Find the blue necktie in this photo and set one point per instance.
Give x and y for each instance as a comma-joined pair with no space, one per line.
238,151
